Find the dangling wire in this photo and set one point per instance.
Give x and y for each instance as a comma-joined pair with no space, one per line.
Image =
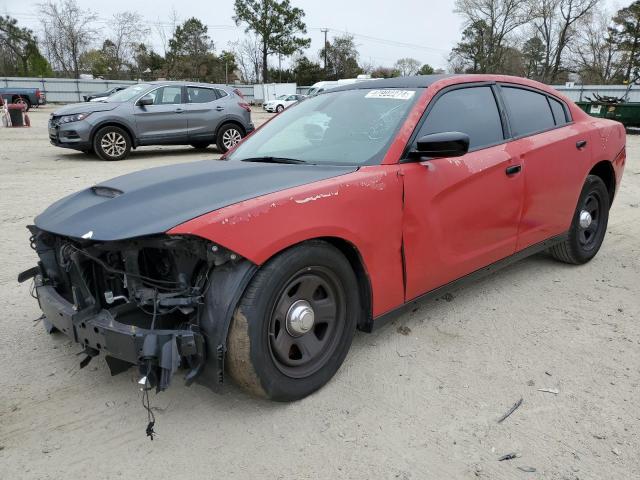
146,403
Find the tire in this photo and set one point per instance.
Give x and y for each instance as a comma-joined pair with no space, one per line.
22,101
200,146
279,108
228,136
266,356
587,231
112,143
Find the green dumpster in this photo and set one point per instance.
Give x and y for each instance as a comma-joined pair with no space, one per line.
627,113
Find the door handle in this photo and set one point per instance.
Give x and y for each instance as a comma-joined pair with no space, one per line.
513,169
580,144
219,108
178,110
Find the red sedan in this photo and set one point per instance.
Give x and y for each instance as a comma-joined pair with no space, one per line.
330,217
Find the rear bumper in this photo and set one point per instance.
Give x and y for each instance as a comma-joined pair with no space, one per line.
124,345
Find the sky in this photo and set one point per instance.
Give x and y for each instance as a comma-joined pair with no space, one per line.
384,30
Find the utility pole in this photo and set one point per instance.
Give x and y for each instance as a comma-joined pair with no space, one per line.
226,72
325,31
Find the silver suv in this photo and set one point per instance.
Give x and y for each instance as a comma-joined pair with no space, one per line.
154,113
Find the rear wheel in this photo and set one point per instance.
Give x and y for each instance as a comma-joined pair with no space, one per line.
228,137
589,224
295,323
23,101
112,143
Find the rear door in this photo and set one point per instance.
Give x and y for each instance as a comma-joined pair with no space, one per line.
205,109
554,161
460,214
164,121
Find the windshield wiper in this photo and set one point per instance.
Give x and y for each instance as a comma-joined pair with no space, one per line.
273,160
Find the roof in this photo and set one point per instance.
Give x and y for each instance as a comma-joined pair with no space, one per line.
182,82
417,81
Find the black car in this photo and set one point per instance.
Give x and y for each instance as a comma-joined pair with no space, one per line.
107,93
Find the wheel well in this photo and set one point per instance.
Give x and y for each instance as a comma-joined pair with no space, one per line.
364,285
232,122
604,170
114,124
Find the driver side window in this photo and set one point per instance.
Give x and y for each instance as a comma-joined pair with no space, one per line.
166,95
471,110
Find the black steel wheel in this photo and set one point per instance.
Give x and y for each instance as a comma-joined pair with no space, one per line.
589,224
295,323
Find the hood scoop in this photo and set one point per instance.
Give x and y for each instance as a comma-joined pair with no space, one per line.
107,192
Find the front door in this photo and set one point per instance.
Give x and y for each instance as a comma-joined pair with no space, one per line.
460,214
164,121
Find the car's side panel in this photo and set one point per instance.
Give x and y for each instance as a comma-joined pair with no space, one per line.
364,208
460,214
608,139
554,170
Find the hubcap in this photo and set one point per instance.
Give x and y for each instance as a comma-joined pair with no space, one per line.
307,322
230,138
113,144
585,219
300,318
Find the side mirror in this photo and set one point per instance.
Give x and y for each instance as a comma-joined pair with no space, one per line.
146,100
441,145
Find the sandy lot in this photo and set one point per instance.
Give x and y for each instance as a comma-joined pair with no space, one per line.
417,399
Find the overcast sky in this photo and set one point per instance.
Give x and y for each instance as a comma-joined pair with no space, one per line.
384,30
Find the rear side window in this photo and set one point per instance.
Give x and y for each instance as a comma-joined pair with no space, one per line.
559,114
201,95
529,112
468,110
221,93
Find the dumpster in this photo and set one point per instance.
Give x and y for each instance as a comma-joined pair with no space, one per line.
627,113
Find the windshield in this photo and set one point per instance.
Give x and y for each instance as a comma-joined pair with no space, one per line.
129,93
281,97
351,127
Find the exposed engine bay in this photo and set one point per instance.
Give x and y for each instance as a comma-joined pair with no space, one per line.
139,302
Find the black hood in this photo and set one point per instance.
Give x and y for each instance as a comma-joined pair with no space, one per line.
155,200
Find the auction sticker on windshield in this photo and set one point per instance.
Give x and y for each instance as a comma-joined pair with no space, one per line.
392,94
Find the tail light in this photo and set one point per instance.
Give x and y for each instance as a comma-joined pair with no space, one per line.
238,92
245,105
37,93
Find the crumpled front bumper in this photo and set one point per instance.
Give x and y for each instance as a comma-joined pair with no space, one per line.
156,352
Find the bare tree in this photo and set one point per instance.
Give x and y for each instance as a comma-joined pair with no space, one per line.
407,66
495,20
128,31
595,54
68,32
556,22
248,55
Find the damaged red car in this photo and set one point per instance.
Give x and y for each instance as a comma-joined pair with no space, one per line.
330,218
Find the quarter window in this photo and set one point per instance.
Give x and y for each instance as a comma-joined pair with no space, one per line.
201,95
559,113
468,110
529,112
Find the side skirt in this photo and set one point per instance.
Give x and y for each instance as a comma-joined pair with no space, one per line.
469,278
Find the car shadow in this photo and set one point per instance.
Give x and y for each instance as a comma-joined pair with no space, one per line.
210,153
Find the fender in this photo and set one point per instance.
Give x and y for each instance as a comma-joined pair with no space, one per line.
339,207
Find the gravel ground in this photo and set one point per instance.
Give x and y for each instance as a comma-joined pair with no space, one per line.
419,398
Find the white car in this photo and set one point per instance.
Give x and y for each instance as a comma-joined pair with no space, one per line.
282,102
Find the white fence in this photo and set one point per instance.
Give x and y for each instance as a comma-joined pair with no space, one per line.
65,90
580,92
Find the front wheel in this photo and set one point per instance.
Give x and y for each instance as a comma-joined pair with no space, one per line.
279,108
112,143
295,323
228,137
588,226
